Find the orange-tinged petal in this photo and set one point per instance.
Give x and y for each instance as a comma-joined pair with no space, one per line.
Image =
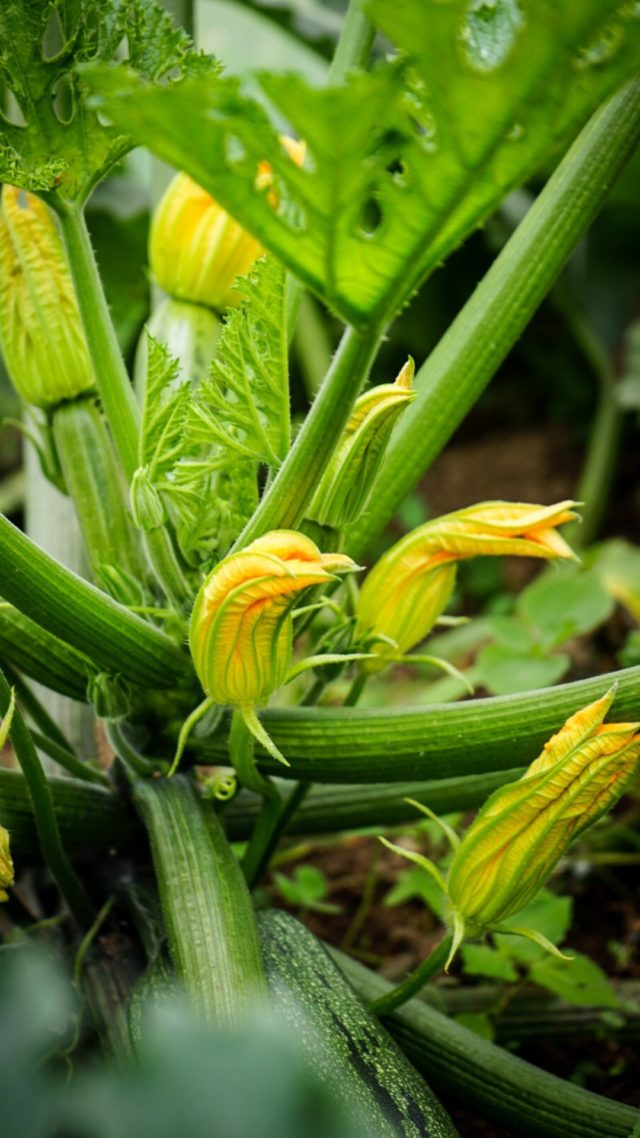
525,827
405,593
240,633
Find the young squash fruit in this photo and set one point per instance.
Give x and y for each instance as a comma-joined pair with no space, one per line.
345,1043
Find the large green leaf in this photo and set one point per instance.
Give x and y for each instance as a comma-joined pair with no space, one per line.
54,142
405,161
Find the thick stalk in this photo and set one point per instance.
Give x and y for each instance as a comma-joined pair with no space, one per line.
116,392
241,754
334,809
492,1082
34,651
68,760
44,813
90,818
51,522
599,467
81,615
206,904
168,569
36,711
414,983
598,470
284,503
460,367
350,745
95,483
354,45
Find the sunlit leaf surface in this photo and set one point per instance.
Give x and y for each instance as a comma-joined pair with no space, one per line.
402,162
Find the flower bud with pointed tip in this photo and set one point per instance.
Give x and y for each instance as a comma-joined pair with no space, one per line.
6,865
348,479
525,827
241,628
41,333
409,588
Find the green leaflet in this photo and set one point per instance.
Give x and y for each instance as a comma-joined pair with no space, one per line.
243,404
200,449
164,412
405,161
57,143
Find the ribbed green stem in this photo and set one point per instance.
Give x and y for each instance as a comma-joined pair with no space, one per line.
241,754
438,741
354,45
44,813
35,709
91,819
490,1081
70,762
34,651
460,367
95,483
81,615
116,392
206,904
284,503
168,569
414,983
597,474
331,809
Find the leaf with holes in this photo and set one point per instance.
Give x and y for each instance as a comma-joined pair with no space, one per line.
50,140
401,163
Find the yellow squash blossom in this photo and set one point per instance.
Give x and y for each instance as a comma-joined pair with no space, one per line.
43,343
525,827
241,631
196,249
408,589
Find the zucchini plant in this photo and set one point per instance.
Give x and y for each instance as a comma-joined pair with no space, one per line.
232,613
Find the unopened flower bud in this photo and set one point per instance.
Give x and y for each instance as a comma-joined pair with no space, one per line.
196,249
146,504
241,628
408,589
347,480
523,829
43,342
109,695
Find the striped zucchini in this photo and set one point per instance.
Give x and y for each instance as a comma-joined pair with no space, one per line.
345,1044
489,1080
206,905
